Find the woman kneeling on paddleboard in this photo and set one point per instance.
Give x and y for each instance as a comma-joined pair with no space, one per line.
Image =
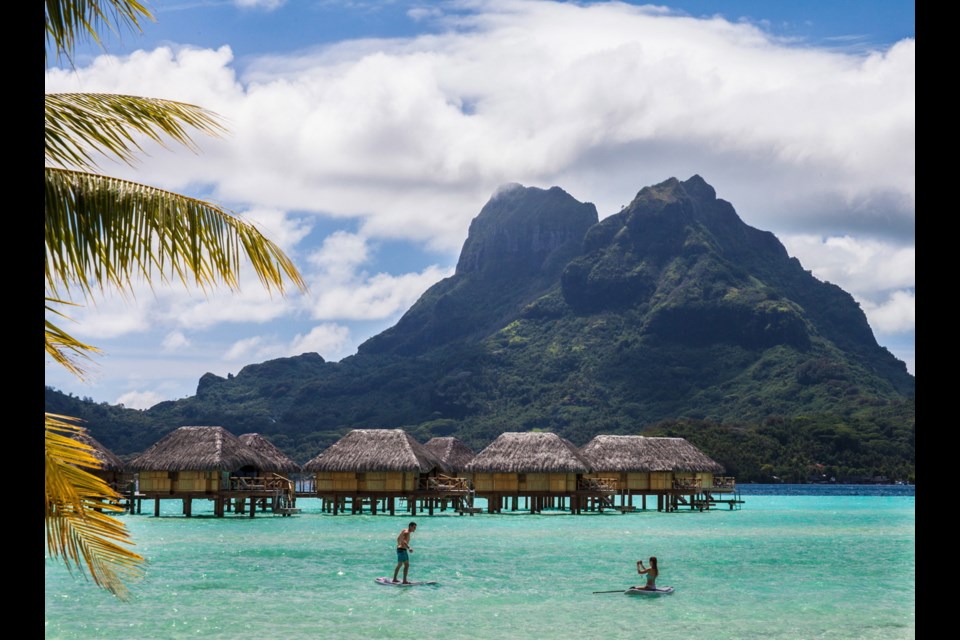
652,572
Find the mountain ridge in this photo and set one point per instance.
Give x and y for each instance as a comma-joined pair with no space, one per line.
672,309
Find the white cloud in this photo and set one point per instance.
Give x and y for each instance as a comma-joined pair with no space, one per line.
175,341
406,139
881,276
267,5
139,399
326,339
344,291
422,130
244,350
329,340
379,296
896,314
864,266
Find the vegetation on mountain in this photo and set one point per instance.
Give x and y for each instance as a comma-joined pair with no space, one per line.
671,317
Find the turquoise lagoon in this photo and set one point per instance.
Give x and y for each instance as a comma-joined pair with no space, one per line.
796,562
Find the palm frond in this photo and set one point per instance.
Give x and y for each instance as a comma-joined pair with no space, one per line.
71,21
63,347
77,506
100,230
76,124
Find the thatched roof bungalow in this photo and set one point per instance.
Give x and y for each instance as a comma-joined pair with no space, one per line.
527,463
196,459
112,470
452,452
279,461
642,463
377,461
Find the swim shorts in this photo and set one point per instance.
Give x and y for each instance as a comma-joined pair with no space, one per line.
402,555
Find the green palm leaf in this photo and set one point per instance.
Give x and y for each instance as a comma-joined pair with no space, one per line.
75,124
61,346
100,230
68,23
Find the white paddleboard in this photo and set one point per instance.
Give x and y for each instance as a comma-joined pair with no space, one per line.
659,591
388,581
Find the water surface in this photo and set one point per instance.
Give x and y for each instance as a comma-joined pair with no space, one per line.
795,562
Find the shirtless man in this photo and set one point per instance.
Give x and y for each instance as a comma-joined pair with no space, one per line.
403,551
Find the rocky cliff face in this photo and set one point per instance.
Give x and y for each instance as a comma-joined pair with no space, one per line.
514,252
680,253
525,231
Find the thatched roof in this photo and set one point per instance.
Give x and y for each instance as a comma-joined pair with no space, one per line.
376,450
451,451
199,449
107,458
639,453
280,462
529,452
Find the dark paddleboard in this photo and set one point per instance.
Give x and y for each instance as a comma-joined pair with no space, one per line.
389,582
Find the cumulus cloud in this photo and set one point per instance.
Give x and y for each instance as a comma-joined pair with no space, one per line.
895,314
879,275
404,139
139,399
327,339
175,340
859,265
424,128
344,291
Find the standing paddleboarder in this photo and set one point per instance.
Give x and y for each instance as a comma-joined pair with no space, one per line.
403,552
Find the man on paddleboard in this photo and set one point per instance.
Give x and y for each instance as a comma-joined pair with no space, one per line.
403,552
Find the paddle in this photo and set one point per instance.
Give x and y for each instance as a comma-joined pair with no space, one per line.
613,591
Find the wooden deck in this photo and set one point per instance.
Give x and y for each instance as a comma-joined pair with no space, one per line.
277,496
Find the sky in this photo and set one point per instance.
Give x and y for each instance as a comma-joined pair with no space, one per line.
364,136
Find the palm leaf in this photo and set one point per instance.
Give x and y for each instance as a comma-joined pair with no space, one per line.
61,346
100,230
78,525
75,124
70,22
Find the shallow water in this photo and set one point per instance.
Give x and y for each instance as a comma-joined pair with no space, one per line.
788,565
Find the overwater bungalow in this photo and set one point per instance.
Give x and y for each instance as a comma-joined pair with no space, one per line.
378,469
542,469
672,469
454,455
208,462
113,471
452,452
280,469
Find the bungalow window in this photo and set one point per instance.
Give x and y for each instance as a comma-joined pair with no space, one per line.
521,477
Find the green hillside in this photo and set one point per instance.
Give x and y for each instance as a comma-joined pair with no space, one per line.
669,317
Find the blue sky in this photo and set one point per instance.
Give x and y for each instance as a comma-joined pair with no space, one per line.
365,136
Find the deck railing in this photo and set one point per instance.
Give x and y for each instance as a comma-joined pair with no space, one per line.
261,483
688,484
599,485
724,482
444,483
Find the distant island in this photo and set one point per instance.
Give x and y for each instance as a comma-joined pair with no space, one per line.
669,318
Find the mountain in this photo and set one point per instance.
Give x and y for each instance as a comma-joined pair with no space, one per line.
672,315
